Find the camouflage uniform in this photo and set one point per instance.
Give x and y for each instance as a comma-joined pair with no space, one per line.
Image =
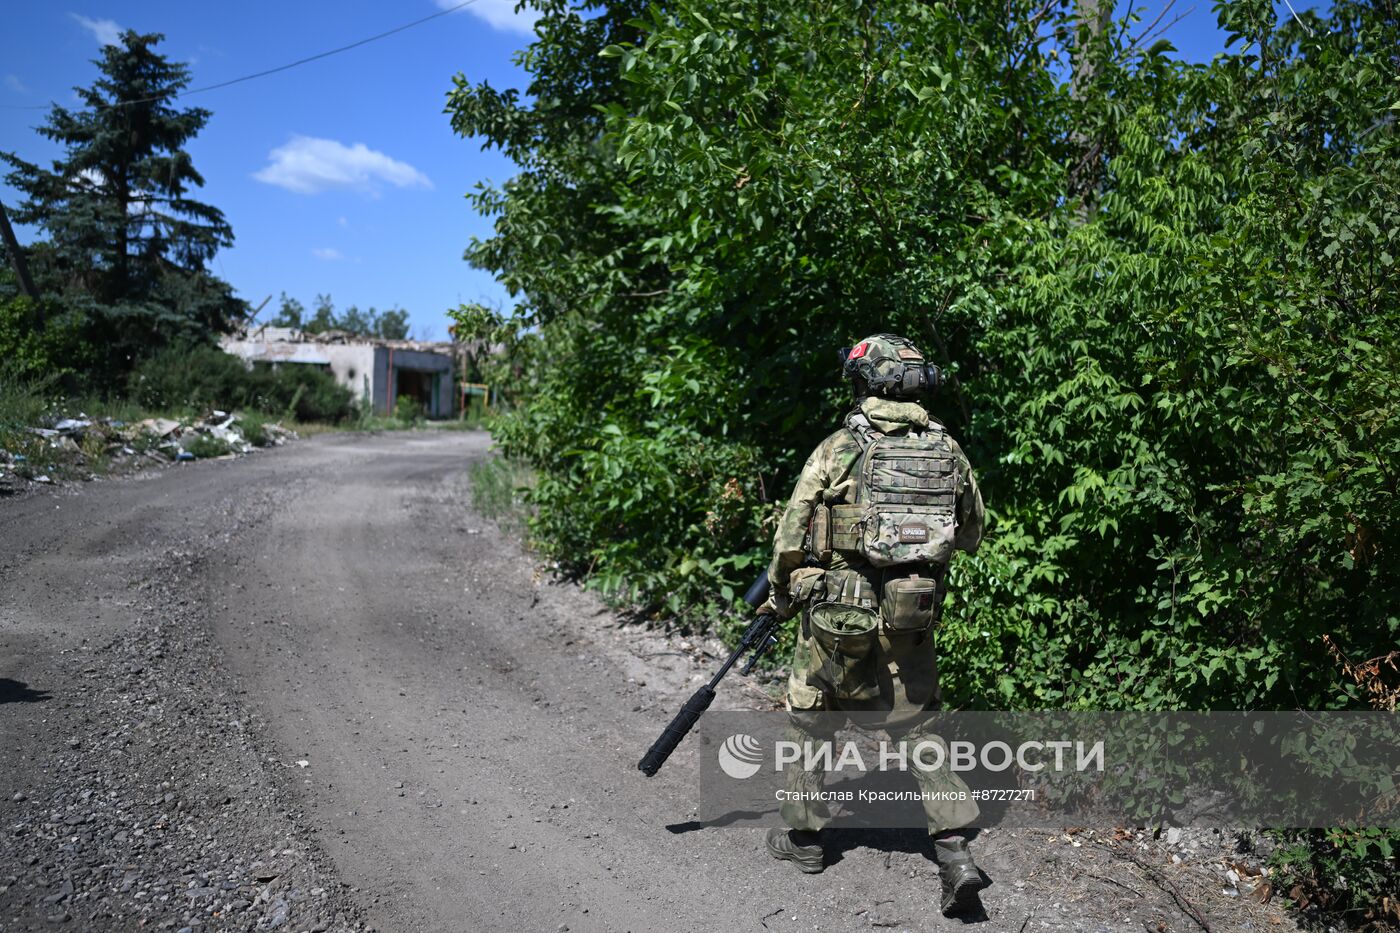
901,674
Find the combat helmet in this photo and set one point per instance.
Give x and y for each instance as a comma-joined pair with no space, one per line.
889,365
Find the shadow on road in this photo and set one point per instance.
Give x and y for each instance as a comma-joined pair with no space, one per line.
17,691
728,819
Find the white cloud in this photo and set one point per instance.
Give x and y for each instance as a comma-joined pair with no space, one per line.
500,14
105,31
307,165
13,83
328,253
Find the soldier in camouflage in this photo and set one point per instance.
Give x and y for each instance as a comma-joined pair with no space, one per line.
858,649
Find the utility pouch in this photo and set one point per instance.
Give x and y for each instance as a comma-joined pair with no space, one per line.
843,642
807,584
819,535
909,605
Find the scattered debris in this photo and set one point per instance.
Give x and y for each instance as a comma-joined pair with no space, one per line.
79,447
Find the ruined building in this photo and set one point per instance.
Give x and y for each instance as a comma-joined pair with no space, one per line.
379,372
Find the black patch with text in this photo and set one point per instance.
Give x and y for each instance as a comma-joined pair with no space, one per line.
913,533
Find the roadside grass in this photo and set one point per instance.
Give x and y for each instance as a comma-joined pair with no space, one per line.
500,492
311,428
368,422
253,425
22,401
477,416
123,410
406,418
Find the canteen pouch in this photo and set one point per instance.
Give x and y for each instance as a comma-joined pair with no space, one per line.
843,646
909,606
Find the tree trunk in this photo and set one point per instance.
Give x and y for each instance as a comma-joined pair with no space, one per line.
123,183
1091,18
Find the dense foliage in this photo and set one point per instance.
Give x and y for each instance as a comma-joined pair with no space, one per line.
202,377
125,246
1176,379
1168,293
45,339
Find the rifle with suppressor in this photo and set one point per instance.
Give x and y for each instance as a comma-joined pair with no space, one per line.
761,635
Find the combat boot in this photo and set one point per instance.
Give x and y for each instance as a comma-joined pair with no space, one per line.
799,846
959,873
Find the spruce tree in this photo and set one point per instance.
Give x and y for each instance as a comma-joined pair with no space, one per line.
123,239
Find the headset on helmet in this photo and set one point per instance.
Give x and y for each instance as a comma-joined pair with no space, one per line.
890,365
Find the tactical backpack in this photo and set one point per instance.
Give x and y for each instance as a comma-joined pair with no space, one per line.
903,522
905,506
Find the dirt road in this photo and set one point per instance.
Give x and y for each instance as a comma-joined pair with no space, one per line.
313,690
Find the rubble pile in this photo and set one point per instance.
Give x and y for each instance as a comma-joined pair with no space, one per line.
79,447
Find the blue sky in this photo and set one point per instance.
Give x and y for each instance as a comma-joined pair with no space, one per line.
341,176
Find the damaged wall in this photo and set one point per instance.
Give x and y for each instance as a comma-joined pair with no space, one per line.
378,372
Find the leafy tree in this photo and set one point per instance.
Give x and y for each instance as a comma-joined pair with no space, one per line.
289,313
392,324
126,244
1194,374
384,325
324,317
1168,294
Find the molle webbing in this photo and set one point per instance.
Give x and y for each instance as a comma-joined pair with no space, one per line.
905,474
904,508
845,527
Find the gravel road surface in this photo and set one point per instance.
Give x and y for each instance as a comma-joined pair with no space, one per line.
312,690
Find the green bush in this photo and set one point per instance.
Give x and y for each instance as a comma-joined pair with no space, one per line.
407,410
1167,296
1340,873
203,377
197,377
206,446
304,392
60,353
1174,360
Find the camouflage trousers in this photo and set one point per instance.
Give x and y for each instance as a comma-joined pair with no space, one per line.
898,679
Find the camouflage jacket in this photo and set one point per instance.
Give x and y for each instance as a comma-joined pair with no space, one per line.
828,478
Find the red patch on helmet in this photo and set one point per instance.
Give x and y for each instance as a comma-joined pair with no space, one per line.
858,351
